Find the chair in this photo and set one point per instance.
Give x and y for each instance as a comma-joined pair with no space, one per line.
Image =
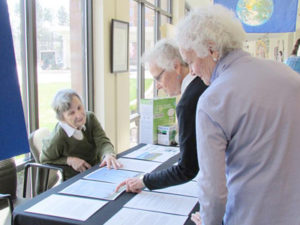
8,187
36,142
47,175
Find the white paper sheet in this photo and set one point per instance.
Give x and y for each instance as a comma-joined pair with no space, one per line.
111,175
156,153
187,189
160,202
138,165
93,189
67,207
128,216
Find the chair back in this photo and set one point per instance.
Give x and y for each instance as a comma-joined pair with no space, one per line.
36,142
40,180
8,180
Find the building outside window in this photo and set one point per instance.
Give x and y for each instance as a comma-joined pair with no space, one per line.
60,52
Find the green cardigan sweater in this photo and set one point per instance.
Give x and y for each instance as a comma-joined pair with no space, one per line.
92,148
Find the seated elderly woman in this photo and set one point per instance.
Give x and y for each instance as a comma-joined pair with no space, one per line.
78,140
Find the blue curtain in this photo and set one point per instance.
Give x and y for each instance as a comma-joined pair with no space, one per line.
13,134
264,16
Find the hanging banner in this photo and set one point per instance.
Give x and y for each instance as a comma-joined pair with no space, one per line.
13,134
264,16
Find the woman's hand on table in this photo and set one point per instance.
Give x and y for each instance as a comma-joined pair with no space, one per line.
78,164
111,162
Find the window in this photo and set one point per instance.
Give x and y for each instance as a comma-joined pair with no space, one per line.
150,38
145,20
133,56
51,51
60,53
151,1
165,5
133,71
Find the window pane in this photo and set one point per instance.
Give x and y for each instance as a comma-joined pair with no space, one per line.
164,19
133,53
133,56
149,43
60,52
164,4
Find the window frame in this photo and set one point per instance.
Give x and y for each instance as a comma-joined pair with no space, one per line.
142,4
29,65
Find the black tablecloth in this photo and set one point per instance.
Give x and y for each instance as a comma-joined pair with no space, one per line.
100,217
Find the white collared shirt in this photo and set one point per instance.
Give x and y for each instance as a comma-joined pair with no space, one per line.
71,131
186,81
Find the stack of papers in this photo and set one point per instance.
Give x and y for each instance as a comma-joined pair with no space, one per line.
160,202
137,217
92,189
67,207
187,189
138,165
154,153
111,175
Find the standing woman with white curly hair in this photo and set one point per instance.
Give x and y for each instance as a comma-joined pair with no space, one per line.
247,126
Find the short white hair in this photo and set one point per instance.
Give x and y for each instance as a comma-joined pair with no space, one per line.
212,27
62,102
164,55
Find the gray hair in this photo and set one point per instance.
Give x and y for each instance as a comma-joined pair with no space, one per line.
164,54
212,27
62,102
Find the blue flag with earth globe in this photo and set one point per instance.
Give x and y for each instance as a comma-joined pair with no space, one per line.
264,16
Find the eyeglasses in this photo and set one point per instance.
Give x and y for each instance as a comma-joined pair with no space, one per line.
158,77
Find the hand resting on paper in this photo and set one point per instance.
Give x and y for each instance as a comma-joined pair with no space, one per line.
111,162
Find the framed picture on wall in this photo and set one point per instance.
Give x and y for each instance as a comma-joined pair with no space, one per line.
119,46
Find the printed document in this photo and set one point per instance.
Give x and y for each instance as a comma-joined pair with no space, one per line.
160,202
187,189
156,153
138,165
128,216
93,189
67,207
111,175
